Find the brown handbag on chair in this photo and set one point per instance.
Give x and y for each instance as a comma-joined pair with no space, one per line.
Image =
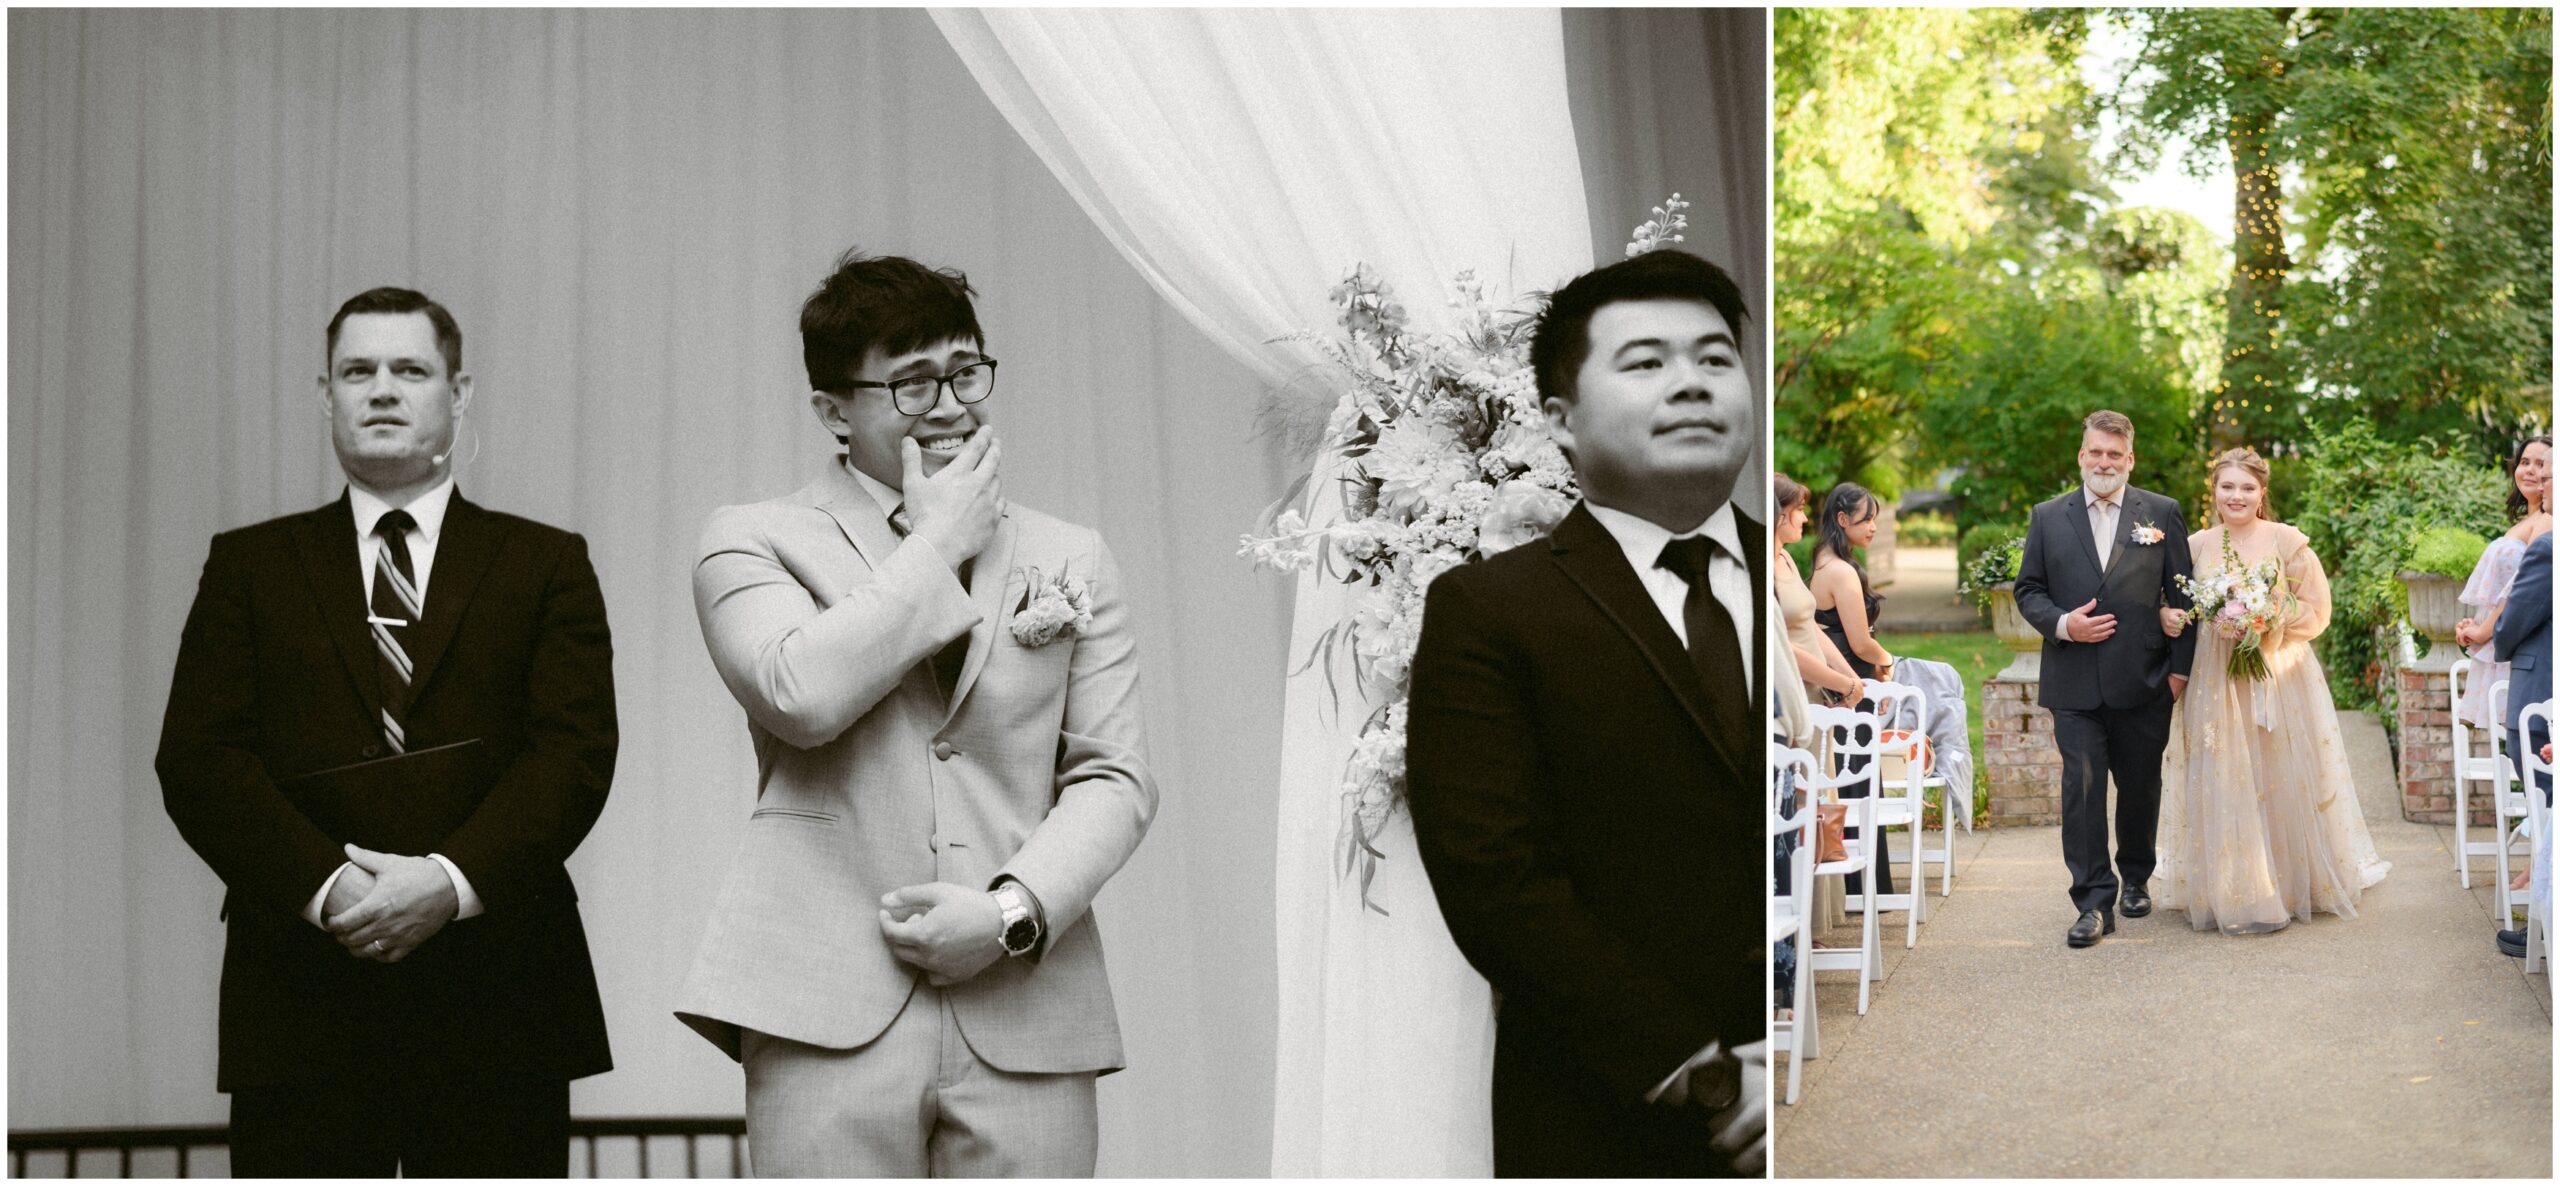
1832,824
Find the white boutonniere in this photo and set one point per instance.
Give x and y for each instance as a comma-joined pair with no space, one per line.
2146,534
1052,606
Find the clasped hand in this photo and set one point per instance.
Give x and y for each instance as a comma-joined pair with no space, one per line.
1740,1130
950,931
2088,626
397,903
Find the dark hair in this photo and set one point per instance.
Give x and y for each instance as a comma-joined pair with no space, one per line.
1561,342
400,300
2517,506
1847,498
888,303
1790,492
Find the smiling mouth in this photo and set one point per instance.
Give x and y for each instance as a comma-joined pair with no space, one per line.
945,445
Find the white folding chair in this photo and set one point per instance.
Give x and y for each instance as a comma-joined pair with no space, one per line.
2489,768
1867,957
2515,812
1923,854
2537,919
1897,804
1789,921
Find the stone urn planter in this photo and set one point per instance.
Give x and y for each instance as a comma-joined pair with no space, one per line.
2013,630
2435,607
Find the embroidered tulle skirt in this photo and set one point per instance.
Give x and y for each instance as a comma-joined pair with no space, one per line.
2259,823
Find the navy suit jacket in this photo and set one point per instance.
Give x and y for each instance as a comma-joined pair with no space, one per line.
2524,634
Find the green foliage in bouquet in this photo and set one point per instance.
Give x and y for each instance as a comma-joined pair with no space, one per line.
2446,552
1989,555
2364,501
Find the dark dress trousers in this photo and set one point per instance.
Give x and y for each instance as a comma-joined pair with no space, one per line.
1596,846
276,677
2524,642
2110,700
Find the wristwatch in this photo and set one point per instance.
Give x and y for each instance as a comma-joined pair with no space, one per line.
1021,932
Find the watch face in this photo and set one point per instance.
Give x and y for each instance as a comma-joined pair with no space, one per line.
1018,937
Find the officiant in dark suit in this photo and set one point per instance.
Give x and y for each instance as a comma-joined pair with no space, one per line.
1585,750
2099,563
419,1011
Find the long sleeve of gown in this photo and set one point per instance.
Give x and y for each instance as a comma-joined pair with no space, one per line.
2310,615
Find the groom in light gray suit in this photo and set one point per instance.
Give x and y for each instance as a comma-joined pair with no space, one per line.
942,690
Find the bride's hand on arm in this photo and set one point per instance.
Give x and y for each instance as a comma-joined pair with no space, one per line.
2173,621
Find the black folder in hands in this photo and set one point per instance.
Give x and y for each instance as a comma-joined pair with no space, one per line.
406,804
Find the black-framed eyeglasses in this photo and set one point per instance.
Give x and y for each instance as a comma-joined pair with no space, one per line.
916,395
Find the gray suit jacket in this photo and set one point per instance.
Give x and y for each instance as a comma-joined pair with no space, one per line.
823,624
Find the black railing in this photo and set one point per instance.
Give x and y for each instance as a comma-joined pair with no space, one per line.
186,1141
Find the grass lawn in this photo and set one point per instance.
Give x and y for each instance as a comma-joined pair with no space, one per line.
1976,655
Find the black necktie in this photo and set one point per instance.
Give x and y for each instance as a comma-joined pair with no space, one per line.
1713,649
395,610
947,661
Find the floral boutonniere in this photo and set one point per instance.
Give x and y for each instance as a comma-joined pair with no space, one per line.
2146,535
1052,606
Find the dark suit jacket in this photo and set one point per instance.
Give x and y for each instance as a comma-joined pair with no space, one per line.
276,677
2059,573
2524,634
1596,848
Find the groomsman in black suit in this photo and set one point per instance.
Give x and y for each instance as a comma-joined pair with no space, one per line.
421,1011
1585,754
2099,563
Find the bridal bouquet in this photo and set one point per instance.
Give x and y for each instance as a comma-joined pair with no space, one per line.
1445,458
2245,604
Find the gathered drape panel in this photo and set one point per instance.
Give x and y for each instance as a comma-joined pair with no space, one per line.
624,210
1244,161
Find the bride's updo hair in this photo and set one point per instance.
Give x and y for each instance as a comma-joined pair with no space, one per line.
2247,461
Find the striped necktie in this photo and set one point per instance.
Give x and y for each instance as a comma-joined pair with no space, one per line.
397,606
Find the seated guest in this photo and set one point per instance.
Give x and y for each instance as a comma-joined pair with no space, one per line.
1826,673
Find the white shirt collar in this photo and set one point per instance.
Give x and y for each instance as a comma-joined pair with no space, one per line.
2091,496
428,509
1642,539
879,491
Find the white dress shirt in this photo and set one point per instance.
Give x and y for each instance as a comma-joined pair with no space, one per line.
1727,580
2103,516
427,512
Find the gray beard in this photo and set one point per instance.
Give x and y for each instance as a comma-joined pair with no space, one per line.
2102,485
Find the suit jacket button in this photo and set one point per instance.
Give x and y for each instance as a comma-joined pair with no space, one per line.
371,750
942,750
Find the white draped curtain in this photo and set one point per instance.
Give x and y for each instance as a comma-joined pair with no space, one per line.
1244,160
624,210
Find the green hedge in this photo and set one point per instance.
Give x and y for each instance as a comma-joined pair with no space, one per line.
2365,501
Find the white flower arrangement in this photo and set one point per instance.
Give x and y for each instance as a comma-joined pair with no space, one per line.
1446,459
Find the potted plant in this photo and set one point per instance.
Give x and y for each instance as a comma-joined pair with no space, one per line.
2440,560
1990,575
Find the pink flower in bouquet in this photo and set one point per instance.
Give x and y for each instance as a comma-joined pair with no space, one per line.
1521,511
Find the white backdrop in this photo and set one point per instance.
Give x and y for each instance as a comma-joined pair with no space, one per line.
624,210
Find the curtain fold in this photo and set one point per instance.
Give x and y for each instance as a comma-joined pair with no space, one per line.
1243,161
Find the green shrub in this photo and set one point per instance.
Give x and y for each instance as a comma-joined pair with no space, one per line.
2364,501
2446,552
1928,530
1989,555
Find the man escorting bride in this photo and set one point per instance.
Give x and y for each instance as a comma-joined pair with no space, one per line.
2264,827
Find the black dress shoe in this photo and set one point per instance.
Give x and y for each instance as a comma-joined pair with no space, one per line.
2134,902
2092,924
2512,942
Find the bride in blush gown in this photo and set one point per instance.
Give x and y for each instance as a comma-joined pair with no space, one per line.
2263,826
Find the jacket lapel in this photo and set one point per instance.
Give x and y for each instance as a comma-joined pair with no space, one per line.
470,540
1592,559
1757,561
325,540
2076,509
857,513
987,581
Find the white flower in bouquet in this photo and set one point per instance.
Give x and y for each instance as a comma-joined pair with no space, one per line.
1521,511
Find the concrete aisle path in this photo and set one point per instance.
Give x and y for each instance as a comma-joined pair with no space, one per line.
2399,1044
